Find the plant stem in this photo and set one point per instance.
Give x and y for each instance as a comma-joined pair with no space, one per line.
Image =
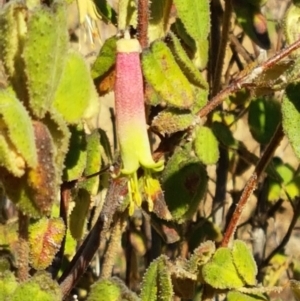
143,19
111,252
23,249
251,184
245,80
222,46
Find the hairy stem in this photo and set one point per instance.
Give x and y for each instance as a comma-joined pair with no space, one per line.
143,19
110,254
244,80
23,248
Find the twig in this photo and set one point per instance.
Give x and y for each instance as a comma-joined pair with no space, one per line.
240,49
251,184
245,80
116,191
222,46
142,26
23,248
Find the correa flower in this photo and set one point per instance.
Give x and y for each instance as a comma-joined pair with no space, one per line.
130,120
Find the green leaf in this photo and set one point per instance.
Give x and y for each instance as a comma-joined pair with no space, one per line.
41,287
172,120
42,180
159,19
182,59
18,133
12,30
105,59
196,22
93,163
35,192
8,284
75,161
220,271
165,76
244,262
206,145
45,237
157,284
263,118
291,25
78,216
224,135
189,177
201,255
44,54
164,283
291,116
112,289
74,85
106,11
293,188
237,296
60,134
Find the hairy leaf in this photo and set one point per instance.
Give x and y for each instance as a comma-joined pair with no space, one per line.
93,163
18,133
172,120
182,59
159,19
41,286
263,118
244,262
12,31
190,179
196,22
112,289
105,59
220,271
206,145
75,161
164,75
237,296
291,116
291,25
78,216
8,284
45,237
157,284
74,90
44,55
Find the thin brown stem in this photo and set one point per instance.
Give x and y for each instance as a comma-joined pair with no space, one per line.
245,79
251,184
142,26
23,248
240,49
222,46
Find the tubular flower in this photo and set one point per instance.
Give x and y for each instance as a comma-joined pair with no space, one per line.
130,118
